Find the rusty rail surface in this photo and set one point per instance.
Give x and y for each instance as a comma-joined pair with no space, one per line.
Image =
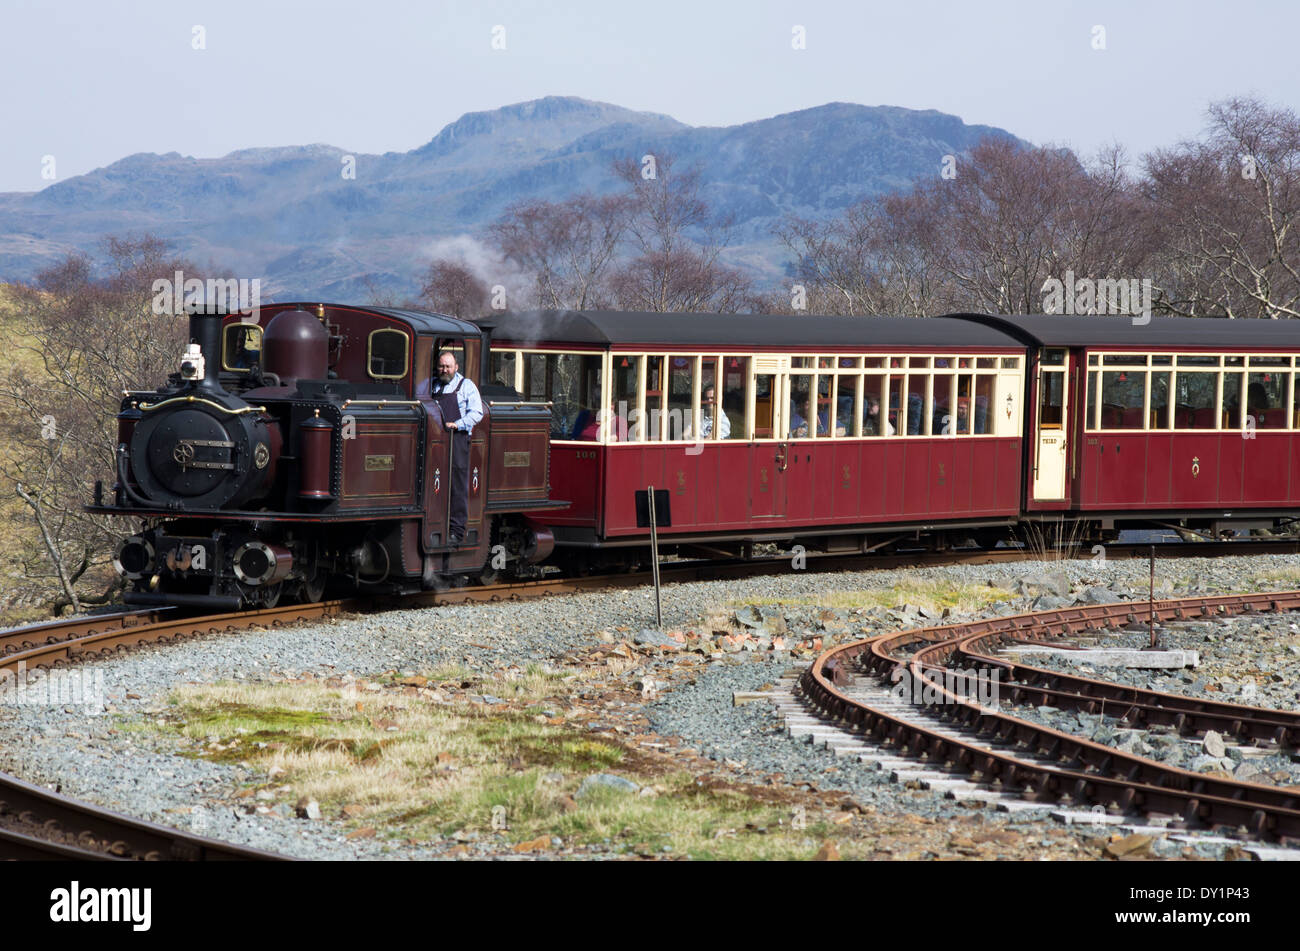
1087,772
38,823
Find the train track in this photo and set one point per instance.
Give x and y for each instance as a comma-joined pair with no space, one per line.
35,822
939,720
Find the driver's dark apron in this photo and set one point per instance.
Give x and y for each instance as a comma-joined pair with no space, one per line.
459,484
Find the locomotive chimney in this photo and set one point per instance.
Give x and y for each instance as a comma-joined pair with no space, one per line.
205,331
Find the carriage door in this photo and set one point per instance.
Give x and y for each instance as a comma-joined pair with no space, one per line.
1051,442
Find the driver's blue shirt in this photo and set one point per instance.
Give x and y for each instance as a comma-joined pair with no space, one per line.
467,400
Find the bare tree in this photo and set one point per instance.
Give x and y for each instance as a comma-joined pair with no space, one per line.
84,341
453,289
868,261
676,245
569,246
986,239
1229,206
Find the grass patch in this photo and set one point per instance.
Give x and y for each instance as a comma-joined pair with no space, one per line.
411,767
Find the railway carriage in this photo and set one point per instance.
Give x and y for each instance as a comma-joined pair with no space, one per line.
860,433
829,430
1193,423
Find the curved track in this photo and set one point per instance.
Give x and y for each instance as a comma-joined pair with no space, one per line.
1045,764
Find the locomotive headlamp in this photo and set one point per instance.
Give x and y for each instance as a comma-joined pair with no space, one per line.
192,363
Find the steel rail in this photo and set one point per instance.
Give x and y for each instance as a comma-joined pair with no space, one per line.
1088,772
67,823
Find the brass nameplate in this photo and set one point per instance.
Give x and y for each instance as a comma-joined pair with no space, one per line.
518,460
379,463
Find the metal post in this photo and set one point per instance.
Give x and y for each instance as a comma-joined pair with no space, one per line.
1151,595
654,557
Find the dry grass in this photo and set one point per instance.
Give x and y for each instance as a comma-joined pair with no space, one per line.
1283,578
411,767
931,594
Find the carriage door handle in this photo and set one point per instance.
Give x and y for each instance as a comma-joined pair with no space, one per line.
437,481
780,458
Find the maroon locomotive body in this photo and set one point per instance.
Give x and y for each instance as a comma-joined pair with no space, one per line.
300,448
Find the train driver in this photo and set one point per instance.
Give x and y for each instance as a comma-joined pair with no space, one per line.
462,409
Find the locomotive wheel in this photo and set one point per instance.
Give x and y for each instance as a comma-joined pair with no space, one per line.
487,574
313,589
269,595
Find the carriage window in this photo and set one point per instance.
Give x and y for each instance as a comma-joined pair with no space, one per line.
962,423
1232,400
802,408
764,405
1162,360
895,420
874,423
1266,400
943,417
981,406
681,396
503,363
1195,400
1122,396
623,395
241,347
387,352
986,363
570,382
1051,399
1091,420
651,422
1159,412
1197,361
1011,363
735,378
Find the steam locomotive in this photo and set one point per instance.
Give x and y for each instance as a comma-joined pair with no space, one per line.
302,450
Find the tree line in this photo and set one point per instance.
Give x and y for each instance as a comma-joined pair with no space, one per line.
1210,222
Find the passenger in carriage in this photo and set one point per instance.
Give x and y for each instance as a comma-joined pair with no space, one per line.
871,423
706,417
1257,402
798,425
596,421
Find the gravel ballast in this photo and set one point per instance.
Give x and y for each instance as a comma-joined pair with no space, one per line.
96,755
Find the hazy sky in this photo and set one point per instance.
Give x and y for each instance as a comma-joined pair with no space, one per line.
90,82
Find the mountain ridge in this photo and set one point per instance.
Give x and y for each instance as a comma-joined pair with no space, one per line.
288,215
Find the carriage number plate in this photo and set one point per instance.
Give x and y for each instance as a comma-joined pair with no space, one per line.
518,460
379,463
